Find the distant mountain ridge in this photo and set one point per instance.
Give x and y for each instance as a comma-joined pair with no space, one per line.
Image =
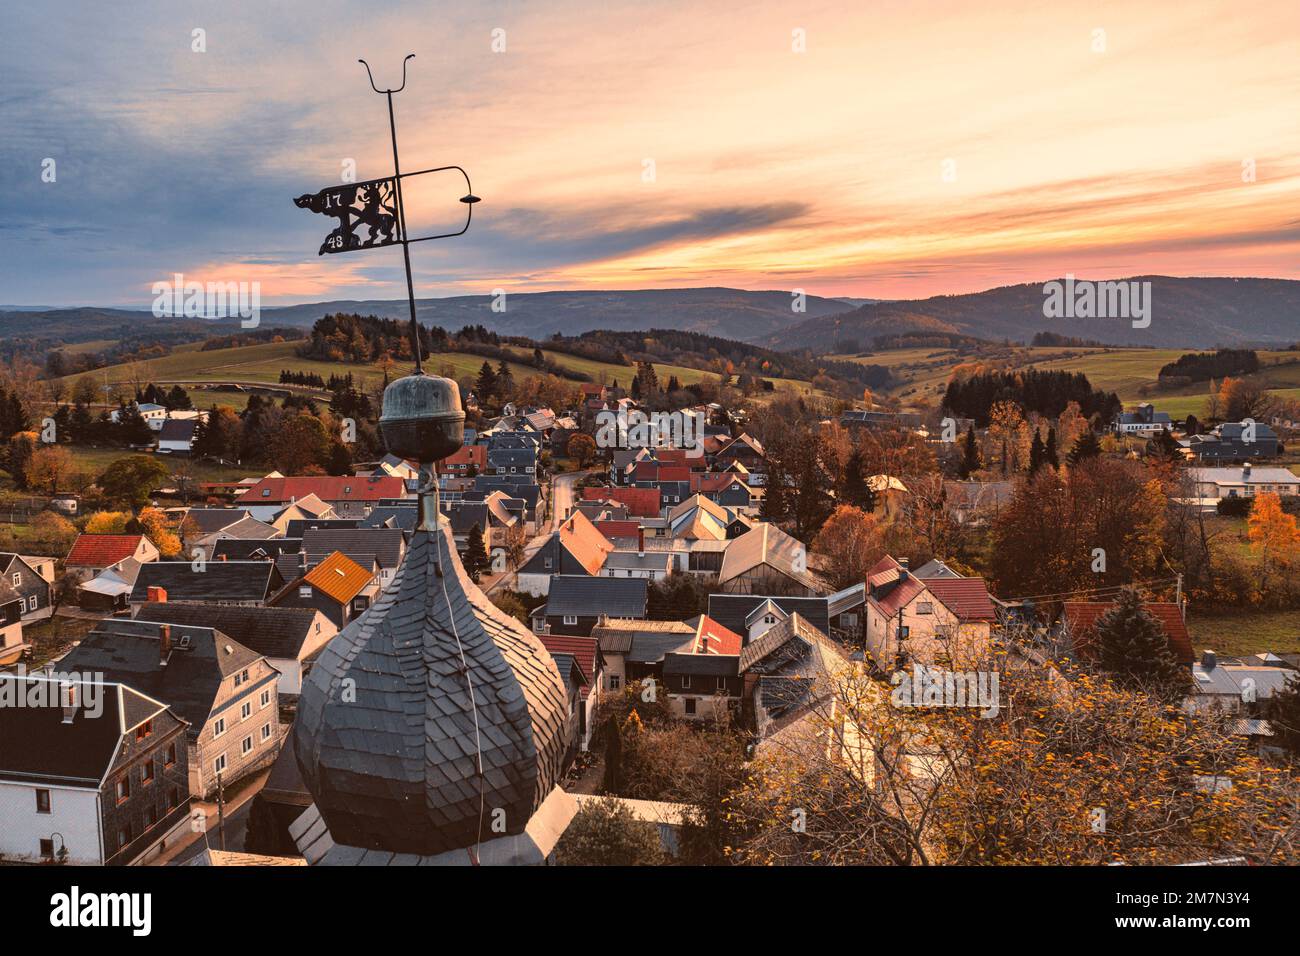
736,314
1195,313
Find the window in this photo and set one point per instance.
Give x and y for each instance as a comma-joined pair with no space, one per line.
150,816
570,620
144,730
615,682
722,683
124,836
47,849
304,592
18,579
123,789
218,728
690,706
925,607
147,771
266,698
686,681
266,731
173,798
266,492
169,758
548,562
246,711
219,764
246,745
42,801
318,627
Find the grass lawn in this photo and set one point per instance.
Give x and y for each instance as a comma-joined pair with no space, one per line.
1245,632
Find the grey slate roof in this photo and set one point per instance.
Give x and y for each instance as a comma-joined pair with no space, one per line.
731,610
128,651
705,665
404,517
35,743
230,581
384,543
253,549
272,631
576,594
209,520
297,526
394,769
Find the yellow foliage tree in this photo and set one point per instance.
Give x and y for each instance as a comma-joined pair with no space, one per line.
107,522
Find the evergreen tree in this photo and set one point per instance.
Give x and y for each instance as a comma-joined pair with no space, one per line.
505,381
538,358
1086,447
178,398
1036,452
1050,456
970,458
612,782
486,386
1164,445
1134,648
475,558
81,423
132,429
854,489
1283,711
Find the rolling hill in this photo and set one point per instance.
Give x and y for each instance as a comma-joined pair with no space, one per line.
1186,313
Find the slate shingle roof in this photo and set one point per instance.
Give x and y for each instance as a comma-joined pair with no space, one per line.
384,543
36,745
273,631
394,767
581,596
219,581
732,610
128,651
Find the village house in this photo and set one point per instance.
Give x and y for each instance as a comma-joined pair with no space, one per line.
702,678
248,583
349,496
1079,619
12,645
1144,421
840,615
382,547
97,779
176,437
225,692
1237,687
766,560
35,591
634,649
943,622
288,637
1214,484
576,548
585,652
639,502
93,553
1236,441
338,587
576,603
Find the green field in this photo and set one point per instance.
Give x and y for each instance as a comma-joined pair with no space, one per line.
923,373
261,365
1245,632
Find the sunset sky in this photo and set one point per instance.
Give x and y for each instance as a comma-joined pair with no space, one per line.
774,169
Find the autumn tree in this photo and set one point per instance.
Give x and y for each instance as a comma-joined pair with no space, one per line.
851,538
605,833
50,467
582,449
107,522
159,530
1275,540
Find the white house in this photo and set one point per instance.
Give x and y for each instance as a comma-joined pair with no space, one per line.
1243,482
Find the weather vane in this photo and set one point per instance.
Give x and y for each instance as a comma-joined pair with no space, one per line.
375,207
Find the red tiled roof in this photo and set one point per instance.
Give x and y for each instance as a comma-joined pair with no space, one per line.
475,455
102,550
967,598
712,638
592,389
583,650
899,596
1081,617
642,502
713,482
618,529
325,487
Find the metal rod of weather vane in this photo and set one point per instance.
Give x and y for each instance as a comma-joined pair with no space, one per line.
401,222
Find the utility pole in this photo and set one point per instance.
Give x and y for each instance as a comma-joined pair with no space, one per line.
221,811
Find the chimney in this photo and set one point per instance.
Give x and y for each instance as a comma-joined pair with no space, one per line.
640,540
903,568
156,594
68,699
1209,660
164,644
1245,472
